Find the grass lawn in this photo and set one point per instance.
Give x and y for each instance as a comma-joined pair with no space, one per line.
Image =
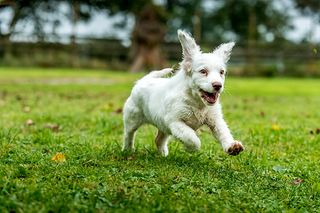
78,114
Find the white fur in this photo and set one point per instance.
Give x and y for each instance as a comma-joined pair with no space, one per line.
175,106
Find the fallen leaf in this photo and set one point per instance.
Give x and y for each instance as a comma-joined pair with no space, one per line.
262,114
318,131
297,181
53,127
118,111
26,109
59,157
29,122
275,127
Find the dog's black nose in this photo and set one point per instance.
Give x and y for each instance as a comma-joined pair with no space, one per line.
216,86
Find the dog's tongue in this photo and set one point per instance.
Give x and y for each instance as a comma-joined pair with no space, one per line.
211,98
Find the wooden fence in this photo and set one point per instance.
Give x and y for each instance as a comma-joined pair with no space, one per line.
263,59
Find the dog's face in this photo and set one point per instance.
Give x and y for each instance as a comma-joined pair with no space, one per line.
206,70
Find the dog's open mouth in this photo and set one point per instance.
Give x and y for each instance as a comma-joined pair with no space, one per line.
210,98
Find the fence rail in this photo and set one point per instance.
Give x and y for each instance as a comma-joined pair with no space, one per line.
110,53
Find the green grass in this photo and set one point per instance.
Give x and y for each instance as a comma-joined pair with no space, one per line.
97,177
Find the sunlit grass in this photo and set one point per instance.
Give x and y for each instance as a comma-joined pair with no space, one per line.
277,119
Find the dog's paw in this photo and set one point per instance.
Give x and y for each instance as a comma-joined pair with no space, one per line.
163,151
235,148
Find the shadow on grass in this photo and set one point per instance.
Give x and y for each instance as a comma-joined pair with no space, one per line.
199,163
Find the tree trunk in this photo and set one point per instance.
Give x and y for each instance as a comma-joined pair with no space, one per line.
75,7
252,26
6,38
149,58
7,48
147,37
312,62
197,26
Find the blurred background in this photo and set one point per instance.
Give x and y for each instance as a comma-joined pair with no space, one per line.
274,37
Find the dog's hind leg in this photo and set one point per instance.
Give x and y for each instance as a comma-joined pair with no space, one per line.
186,134
132,120
162,143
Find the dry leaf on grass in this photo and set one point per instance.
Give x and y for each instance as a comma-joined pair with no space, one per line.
53,127
118,111
297,181
275,127
29,122
59,157
26,109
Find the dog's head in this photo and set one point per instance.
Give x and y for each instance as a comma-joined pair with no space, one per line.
206,70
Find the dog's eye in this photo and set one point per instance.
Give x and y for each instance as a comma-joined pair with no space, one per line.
204,72
221,72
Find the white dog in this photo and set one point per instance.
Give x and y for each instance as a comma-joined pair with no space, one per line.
179,105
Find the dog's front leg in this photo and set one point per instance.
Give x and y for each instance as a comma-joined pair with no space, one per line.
221,131
187,135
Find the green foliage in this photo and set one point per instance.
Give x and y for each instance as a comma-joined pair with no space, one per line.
308,7
120,6
248,20
245,19
277,119
32,12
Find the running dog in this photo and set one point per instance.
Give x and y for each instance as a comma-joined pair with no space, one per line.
180,104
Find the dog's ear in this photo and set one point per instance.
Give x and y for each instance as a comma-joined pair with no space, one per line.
224,50
189,49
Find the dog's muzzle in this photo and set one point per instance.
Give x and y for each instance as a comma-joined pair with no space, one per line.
210,98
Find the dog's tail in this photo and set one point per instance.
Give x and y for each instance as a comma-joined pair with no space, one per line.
159,73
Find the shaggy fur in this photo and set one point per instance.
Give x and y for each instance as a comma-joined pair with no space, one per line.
179,105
